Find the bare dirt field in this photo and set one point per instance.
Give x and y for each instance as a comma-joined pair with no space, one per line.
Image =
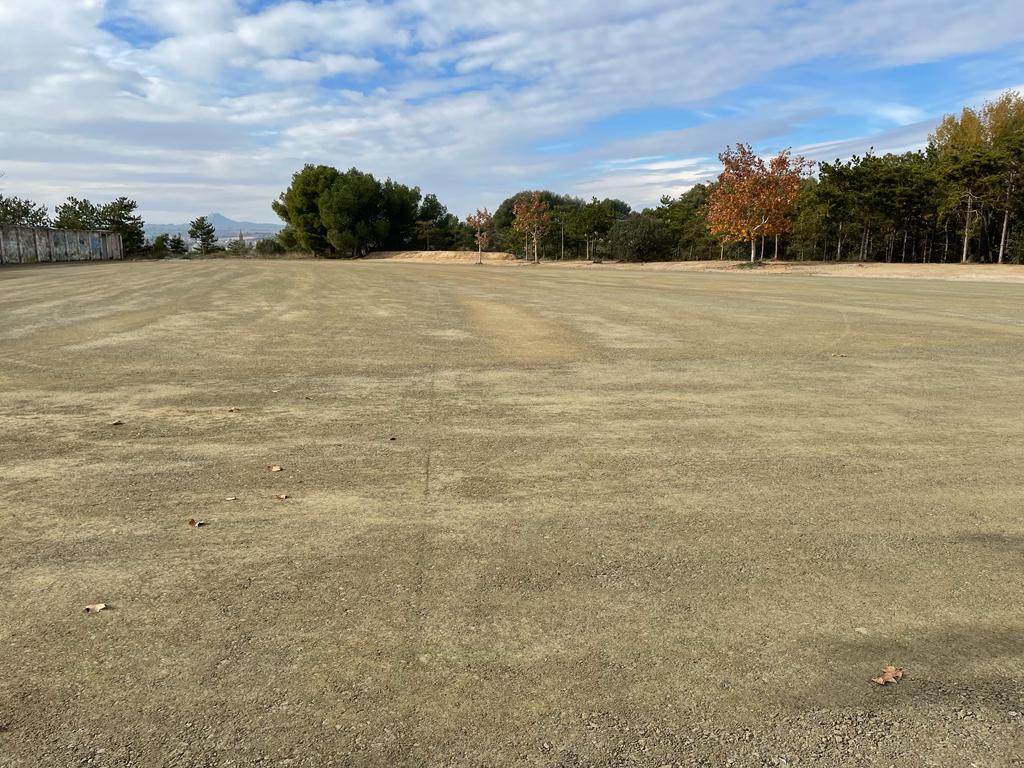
992,273
442,257
542,517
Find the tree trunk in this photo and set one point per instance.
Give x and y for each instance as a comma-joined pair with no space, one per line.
839,243
762,247
1002,240
903,255
776,256
967,229
753,249
721,251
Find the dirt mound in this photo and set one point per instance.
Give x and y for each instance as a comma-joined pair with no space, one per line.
440,257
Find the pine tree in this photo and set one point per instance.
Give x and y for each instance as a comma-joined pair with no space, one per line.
202,231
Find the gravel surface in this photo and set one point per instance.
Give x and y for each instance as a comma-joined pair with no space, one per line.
542,517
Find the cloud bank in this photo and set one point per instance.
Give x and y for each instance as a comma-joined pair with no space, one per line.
198,105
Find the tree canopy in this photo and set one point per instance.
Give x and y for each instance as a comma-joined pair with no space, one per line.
201,230
350,213
19,212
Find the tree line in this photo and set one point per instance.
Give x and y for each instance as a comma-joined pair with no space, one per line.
959,199
120,216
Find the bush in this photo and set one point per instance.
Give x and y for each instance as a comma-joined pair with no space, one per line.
269,247
641,238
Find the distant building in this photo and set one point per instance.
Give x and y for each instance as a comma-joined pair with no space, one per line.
32,245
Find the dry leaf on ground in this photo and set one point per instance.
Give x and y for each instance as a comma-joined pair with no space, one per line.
194,523
281,496
95,607
116,423
273,468
231,498
890,674
233,410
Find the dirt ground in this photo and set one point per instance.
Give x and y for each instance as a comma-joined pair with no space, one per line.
998,273
541,517
443,257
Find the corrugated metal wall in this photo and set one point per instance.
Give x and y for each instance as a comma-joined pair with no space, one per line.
31,245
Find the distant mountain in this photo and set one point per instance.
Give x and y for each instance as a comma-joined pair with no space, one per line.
225,227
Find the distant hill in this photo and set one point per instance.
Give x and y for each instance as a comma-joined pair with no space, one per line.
225,227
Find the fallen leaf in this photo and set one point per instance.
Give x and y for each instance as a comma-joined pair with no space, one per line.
838,354
273,468
281,496
116,423
194,523
890,674
275,390
860,630
231,498
95,607
233,410
392,439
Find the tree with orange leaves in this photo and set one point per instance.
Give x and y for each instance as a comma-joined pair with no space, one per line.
752,198
532,217
480,221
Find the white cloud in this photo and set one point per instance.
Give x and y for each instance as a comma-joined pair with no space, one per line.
287,70
333,26
217,106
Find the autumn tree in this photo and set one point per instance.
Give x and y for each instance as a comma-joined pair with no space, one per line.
532,216
785,174
479,222
752,198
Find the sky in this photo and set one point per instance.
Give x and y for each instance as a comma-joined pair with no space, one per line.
195,106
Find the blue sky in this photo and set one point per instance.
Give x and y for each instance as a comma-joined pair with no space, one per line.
192,106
